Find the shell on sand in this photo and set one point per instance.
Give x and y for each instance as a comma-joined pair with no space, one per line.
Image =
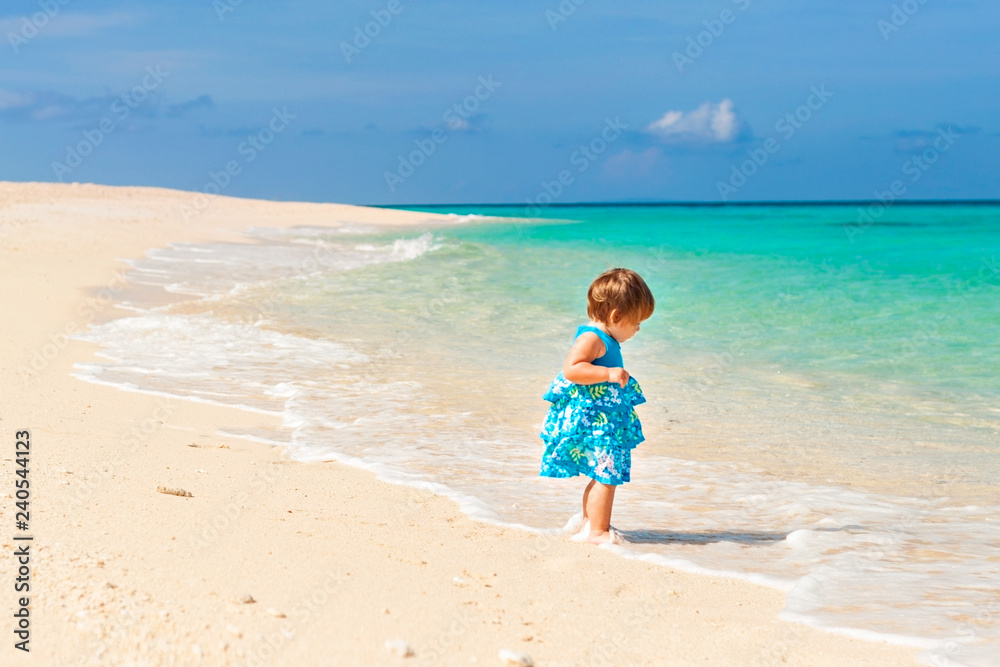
174,492
515,659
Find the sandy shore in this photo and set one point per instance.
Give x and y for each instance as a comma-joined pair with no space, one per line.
335,561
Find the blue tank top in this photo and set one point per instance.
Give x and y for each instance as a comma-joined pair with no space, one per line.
613,351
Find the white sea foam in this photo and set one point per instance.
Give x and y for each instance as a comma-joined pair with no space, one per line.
181,268
462,219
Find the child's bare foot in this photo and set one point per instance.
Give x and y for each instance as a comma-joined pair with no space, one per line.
609,536
600,537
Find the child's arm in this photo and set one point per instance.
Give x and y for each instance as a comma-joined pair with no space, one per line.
577,367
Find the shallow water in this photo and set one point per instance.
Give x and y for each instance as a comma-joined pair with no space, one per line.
822,414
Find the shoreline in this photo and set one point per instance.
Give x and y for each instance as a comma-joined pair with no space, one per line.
338,562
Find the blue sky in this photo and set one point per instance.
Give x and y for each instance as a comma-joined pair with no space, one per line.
618,101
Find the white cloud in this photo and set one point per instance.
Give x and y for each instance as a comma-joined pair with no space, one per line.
68,24
75,24
709,123
51,111
9,100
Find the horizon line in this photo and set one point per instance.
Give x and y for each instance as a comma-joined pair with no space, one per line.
776,202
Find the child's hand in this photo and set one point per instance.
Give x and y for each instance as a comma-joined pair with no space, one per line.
619,375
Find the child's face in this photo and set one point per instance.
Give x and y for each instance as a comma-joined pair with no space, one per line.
623,329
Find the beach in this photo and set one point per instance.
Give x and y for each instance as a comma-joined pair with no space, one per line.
276,561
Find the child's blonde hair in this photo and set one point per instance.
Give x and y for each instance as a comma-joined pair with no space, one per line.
622,290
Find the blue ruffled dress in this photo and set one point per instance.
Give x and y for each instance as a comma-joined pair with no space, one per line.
591,429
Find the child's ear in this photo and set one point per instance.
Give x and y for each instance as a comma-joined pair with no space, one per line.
614,316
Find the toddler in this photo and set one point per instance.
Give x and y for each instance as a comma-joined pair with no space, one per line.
591,426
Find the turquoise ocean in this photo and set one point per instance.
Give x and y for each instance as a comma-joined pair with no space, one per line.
823,407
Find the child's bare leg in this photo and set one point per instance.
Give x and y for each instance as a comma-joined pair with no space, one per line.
599,504
586,493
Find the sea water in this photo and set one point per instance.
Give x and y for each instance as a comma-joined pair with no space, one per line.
822,415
